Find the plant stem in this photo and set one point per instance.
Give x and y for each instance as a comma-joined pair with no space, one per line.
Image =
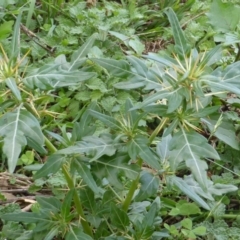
86,227
131,191
158,129
49,145
238,53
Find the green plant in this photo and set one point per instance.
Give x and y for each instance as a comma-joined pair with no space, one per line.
186,82
129,147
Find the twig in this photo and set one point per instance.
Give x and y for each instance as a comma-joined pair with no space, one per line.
37,40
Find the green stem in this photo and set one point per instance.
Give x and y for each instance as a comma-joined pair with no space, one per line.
86,227
49,145
238,53
158,129
131,191
230,216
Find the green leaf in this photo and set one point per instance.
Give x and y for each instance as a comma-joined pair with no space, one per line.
191,147
51,76
201,230
212,189
226,79
16,37
149,186
67,204
183,186
25,217
225,131
79,55
76,233
181,45
138,146
163,148
118,68
224,15
51,204
93,147
5,29
185,209
112,168
15,127
86,175
109,121
53,164
52,233
10,82
119,218
187,223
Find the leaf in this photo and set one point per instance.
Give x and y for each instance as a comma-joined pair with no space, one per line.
185,209
149,186
52,165
93,147
113,167
52,233
138,146
224,16
201,230
173,180
226,79
51,204
163,148
145,229
191,147
212,189
67,204
16,37
5,29
77,56
51,76
181,45
15,127
86,175
109,121
76,233
187,223
118,68
25,217
119,218
225,131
